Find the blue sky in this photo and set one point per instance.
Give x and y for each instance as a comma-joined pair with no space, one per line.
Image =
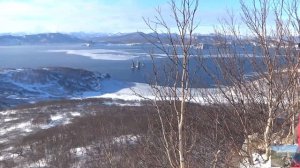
108,16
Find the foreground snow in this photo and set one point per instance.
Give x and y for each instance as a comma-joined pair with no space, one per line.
259,162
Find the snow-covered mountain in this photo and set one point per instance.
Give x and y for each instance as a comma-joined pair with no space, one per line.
140,37
19,86
82,37
44,38
89,36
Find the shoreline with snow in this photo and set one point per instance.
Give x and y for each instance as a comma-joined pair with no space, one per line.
29,86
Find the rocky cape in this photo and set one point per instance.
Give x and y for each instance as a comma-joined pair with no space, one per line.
19,86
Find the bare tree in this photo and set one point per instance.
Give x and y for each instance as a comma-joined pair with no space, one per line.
263,42
177,46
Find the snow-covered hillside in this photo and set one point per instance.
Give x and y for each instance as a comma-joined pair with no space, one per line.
19,86
23,86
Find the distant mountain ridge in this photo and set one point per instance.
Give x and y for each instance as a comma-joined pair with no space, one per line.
140,37
81,37
45,38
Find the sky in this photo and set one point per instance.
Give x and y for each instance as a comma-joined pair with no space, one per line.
106,16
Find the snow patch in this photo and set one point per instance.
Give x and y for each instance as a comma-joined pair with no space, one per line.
75,114
132,91
8,156
121,90
56,117
258,160
23,125
102,54
80,151
39,163
115,103
28,130
8,112
126,139
9,119
3,141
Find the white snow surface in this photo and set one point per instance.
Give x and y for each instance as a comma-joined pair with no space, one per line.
109,54
259,162
24,126
56,117
126,139
103,54
9,119
132,91
75,114
121,90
